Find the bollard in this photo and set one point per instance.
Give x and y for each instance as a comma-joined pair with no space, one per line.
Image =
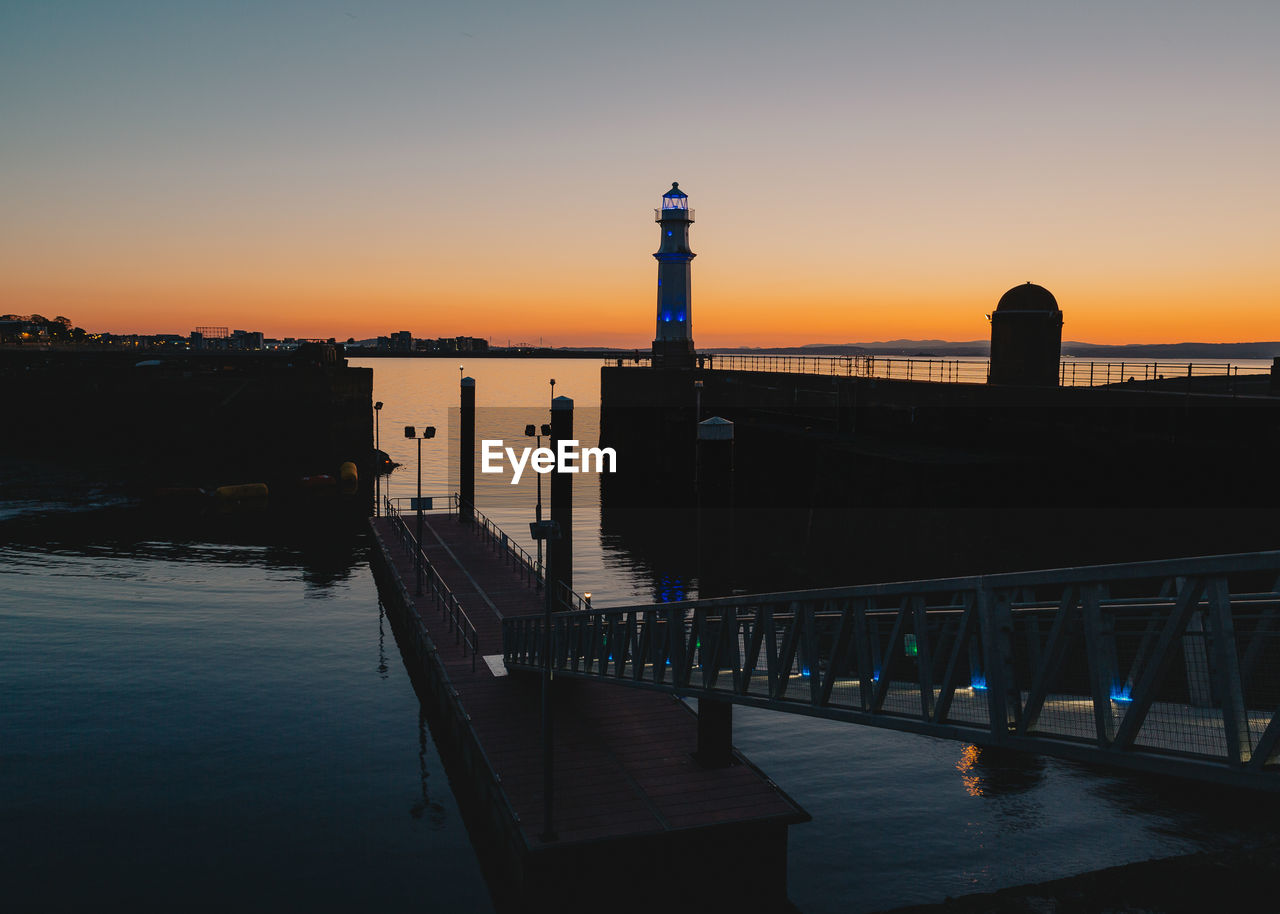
715,733
715,463
467,451
560,551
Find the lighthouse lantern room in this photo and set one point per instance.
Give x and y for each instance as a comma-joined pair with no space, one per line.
673,342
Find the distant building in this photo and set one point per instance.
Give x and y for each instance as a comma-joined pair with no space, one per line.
246,339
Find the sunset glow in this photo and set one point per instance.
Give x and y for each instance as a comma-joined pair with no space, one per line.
859,173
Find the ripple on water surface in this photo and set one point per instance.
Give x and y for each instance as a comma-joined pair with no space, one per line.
187,714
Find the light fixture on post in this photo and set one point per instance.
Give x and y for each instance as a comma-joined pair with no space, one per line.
546,530
377,457
420,503
536,432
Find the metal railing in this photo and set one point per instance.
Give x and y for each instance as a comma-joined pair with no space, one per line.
457,622
446,504
854,366
531,571
1169,666
1079,373
1071,372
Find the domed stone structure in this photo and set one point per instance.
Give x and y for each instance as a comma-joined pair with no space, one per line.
1028,297
1026,338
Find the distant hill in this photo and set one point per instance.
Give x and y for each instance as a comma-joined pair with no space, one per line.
982,348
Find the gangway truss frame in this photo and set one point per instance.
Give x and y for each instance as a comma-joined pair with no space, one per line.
1170,667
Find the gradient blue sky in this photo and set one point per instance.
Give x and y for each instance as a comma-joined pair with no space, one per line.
859,170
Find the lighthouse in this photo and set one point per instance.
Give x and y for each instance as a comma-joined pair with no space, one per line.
673,342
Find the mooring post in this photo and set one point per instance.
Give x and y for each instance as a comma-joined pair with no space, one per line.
715,733
714,473
548,720
560,551
715,570
467,451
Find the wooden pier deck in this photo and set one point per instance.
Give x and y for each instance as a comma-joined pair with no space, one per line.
625,777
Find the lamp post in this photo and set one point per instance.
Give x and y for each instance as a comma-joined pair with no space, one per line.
536,432
377,458
427,432
546,530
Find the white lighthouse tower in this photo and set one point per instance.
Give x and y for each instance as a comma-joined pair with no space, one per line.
673,343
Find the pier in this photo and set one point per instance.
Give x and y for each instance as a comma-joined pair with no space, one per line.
922,432
627,784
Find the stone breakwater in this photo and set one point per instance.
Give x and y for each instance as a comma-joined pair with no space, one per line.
192,419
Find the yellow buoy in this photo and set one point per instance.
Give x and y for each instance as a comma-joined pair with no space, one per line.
253,490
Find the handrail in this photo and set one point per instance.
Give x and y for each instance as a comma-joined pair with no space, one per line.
1168,666
1207,564
1155,374
531,570
949,371
458,622
439,503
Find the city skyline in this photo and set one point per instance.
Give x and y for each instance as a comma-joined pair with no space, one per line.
859,173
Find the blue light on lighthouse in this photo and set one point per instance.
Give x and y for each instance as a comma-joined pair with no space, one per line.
673,342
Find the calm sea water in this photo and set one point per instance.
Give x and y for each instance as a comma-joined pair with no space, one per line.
218,722
216,715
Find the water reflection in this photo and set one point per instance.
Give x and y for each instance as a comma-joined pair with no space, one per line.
991,772
424,807
328,549
382,638
144,672
1213,816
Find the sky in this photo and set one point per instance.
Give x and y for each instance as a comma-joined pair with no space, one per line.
859,170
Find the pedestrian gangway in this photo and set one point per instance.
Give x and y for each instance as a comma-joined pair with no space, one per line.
1169,667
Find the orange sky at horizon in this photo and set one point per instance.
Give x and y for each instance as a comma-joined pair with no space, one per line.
1111,312
859,172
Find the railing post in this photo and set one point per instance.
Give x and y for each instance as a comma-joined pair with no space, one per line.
997,653
1226,666
1100,641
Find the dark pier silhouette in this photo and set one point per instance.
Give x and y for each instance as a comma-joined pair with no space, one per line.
628,789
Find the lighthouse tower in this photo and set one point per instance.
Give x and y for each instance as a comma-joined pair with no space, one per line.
673,343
